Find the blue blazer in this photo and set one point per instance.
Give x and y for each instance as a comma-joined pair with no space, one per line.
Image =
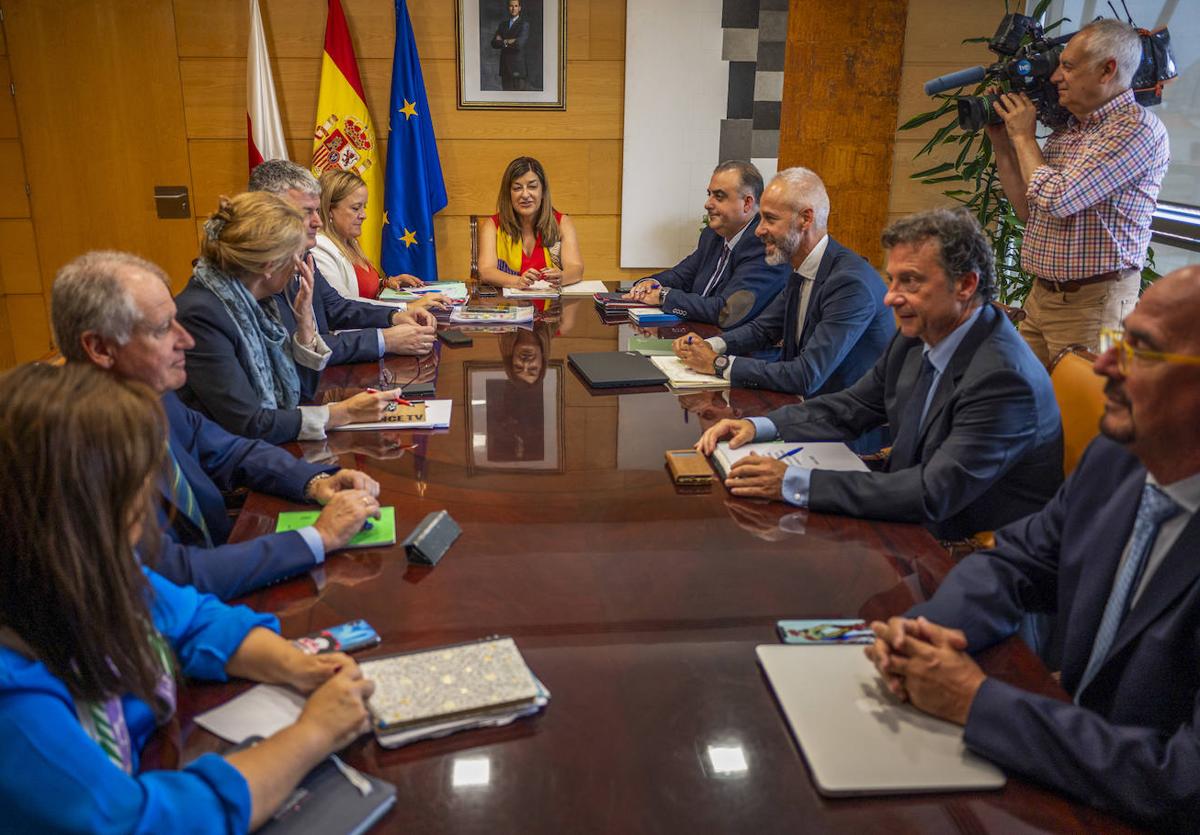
989,451
747,285
213,460
216,386
1133,744
846,329
358,340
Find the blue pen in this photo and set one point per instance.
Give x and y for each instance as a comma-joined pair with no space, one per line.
790,454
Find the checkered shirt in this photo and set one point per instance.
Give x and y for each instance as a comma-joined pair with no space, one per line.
1090,205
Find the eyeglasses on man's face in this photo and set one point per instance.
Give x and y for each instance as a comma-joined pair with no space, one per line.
1126,354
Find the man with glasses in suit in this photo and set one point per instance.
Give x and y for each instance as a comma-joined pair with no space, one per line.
1116,556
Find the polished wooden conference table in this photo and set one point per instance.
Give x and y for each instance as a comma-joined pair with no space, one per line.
638,604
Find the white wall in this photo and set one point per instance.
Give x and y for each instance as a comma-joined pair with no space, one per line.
676,88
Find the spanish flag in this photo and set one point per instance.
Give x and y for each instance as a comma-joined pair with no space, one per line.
345,134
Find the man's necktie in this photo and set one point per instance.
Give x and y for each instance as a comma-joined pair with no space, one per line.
904,449
1156,507
184,499
717,272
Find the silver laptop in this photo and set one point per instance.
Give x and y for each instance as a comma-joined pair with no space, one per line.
856,737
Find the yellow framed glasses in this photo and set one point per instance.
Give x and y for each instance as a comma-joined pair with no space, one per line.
1115,338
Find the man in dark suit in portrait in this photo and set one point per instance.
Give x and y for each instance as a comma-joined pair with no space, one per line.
510,38
726,281
831,317
976,429
115,311
1116,556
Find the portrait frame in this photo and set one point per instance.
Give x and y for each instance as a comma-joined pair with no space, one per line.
483,84
484,455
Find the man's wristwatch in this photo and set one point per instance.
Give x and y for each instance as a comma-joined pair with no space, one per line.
720,363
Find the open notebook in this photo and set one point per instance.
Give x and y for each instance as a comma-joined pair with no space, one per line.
814,455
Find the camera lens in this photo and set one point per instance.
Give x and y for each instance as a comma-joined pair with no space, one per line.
976,111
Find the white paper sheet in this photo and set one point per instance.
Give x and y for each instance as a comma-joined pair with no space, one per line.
437,416
261,711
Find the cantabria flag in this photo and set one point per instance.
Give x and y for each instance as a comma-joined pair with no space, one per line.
264,130
345,134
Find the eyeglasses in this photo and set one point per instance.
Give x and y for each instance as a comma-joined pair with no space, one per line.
1115,338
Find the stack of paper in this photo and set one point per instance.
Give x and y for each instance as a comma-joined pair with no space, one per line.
454,290
813,455
652,316
681,377
584,288
435,692
437,416
499,315
537,290
614,303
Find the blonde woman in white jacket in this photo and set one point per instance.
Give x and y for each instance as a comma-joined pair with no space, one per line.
337,253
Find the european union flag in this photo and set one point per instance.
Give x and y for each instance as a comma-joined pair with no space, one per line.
413,188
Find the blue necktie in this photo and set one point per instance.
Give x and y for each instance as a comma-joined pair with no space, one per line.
1156,507
904,449
184,499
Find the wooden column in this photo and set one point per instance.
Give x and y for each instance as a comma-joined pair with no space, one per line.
841,86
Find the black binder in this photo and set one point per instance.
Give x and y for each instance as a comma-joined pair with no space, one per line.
616,369
327,802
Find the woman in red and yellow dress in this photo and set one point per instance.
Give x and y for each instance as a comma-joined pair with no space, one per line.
527,240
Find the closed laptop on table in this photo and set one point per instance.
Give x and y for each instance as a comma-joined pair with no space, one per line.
616,369
856,737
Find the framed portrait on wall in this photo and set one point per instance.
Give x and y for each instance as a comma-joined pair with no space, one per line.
513,424
512,54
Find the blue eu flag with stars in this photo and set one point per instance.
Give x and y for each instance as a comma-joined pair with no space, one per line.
413,188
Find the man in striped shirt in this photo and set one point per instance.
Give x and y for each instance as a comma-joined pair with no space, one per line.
1087,198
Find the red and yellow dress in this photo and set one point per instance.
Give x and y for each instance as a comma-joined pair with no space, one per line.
511,257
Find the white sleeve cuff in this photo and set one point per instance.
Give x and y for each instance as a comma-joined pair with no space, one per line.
312,423
316,359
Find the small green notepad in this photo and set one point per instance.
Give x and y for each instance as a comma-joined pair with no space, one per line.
381,533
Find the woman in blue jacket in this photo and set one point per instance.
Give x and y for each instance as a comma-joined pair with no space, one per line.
91,641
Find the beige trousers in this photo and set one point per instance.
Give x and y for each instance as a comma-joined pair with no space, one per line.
1054,320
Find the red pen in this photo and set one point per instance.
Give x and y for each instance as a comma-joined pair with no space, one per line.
399,400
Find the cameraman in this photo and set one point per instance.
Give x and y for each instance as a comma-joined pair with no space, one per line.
1087,200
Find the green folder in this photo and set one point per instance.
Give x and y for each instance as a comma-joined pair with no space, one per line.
381,533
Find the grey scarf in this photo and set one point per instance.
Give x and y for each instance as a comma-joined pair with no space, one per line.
264,351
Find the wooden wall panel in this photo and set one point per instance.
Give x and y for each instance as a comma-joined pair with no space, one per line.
14,202
111,65
839,107
29,325
932,47
214,91
8,357
295,28
8,113
18,257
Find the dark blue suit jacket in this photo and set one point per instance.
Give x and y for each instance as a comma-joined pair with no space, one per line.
333,311
989,450
216,386
1133,744
846,329
747,285
213,460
